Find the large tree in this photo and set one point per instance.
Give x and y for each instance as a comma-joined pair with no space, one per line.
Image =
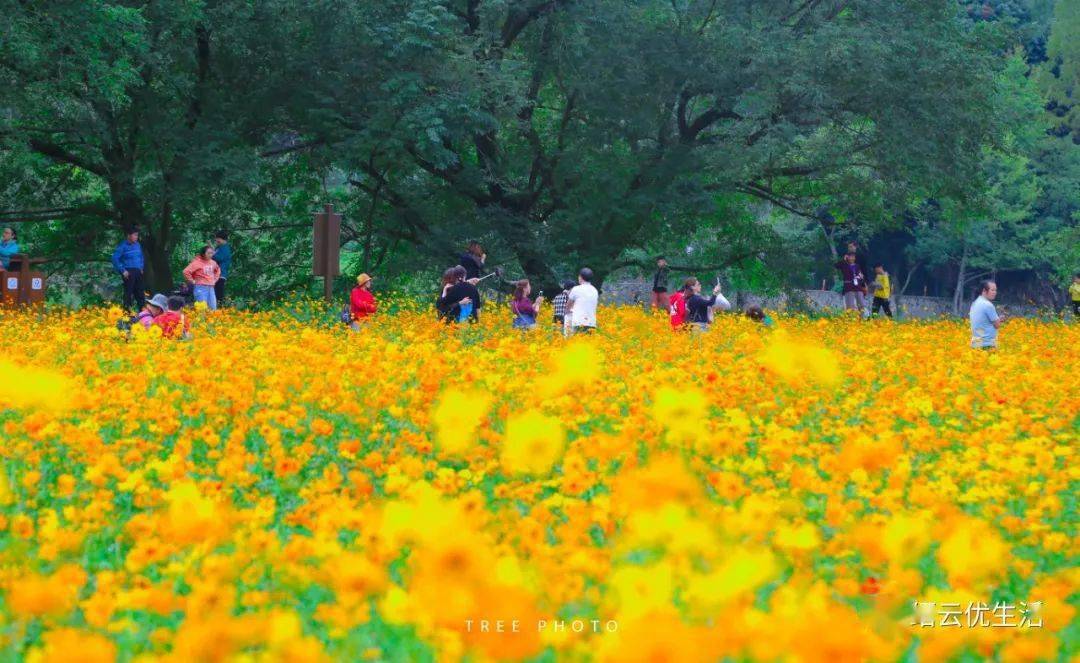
562,132
135,113
569,132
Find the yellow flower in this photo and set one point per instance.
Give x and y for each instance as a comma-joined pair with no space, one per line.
972,552
640,590
456,417
192,517
6,496
35,595
27,387
396,606
577,364
740,572
74,646
905,538
801,537
798,361
423,515
533,443
678,407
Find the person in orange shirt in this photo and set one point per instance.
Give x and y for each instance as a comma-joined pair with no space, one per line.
173,323
203,273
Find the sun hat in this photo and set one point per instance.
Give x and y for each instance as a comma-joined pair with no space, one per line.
159,300
362,279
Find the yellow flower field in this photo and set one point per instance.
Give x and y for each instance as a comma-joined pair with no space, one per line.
275,490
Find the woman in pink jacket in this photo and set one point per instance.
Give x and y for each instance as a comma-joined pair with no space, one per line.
203,273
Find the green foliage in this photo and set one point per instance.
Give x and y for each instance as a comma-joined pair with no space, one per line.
559,133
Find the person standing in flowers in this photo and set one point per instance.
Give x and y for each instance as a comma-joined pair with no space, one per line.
8,247
223,257
660,284
882,291
473,261
459,300
721,303
525,310
558,305
984,318
203,274
173,323
861,258
854,282
677,307
581,304
362,303
127,260
697,306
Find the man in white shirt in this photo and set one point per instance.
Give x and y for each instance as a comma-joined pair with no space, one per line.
984,318
581,304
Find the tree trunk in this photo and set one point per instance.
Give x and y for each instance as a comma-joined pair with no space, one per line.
532,260
899,297
958,294
158,274
131,214
369,229
832,249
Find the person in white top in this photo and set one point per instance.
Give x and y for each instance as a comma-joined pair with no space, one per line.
984,318
722,303
581,304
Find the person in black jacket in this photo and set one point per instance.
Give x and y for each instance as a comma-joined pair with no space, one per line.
660,284
458,300
697,306
473,261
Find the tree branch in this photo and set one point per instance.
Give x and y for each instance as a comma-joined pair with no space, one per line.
520,17
449,175
768,195
728,262
708,18
57,153
907,281
296,147
31,214
419,231
688,131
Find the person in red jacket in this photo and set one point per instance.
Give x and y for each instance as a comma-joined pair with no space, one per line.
361,301
677,306
173,323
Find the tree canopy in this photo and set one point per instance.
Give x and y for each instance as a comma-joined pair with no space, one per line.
560,133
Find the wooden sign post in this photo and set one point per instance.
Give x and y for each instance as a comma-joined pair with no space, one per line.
327,262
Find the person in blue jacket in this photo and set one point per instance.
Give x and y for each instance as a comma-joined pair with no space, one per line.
8,247
127,260
223,257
